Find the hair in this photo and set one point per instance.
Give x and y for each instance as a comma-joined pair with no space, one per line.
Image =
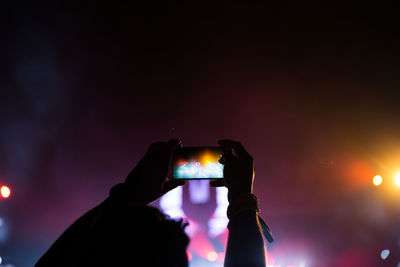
137,236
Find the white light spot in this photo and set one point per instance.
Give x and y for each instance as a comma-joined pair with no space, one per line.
384,254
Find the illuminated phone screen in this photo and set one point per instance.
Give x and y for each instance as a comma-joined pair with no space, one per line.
197,163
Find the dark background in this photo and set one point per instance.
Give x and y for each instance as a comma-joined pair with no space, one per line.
311,90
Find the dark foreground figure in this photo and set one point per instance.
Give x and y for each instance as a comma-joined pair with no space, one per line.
124,231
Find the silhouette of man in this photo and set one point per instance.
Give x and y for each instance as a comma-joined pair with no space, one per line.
124,231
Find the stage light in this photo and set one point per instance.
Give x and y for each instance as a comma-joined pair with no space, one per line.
212,256
189,255
377,180
5,191
384,254
397,179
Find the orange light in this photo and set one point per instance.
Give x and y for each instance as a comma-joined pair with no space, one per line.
212,256
377,180
5,191
208,158
397,179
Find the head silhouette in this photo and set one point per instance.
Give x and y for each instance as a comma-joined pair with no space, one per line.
137,236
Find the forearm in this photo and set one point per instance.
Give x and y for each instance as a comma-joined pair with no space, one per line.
72,244
245,241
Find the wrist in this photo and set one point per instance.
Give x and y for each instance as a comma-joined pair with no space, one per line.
234,194
243,202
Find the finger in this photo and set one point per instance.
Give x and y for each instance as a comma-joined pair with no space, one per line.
239,149
217,183
225,143
172,184
174,143
163,149
236,146
222,160
226,150
156,148
158,157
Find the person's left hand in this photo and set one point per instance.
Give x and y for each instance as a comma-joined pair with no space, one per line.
148,180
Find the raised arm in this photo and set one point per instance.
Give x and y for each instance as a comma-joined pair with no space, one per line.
245,240
144,184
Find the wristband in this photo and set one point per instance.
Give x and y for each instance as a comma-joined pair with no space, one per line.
248,202
243,202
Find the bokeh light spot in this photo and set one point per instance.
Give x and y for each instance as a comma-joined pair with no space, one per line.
5,191
212,256
384,254
377,180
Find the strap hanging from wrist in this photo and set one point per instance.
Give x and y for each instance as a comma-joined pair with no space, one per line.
248,202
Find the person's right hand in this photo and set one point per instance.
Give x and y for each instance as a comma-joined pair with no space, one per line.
148,180
238,169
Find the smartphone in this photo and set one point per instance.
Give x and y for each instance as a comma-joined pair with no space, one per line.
191,163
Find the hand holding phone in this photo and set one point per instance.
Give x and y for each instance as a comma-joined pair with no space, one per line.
238,169
147,181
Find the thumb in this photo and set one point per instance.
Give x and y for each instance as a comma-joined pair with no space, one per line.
217,183
172,184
